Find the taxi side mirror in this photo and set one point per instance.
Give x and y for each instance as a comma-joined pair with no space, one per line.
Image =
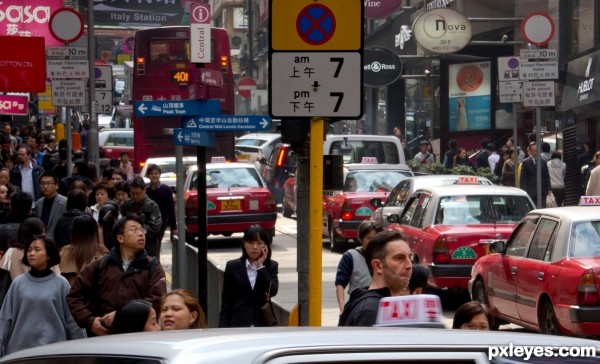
498,247
376,202
393,218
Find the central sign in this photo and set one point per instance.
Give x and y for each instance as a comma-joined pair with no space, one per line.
200,33
320,25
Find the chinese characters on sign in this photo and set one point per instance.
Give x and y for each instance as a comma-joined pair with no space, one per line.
68,93
538,93
538,70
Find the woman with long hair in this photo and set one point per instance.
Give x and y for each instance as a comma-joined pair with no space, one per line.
12,259
181,310
462,159
84,247
248,280
135,316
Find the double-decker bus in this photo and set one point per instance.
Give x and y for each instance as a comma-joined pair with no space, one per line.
163,71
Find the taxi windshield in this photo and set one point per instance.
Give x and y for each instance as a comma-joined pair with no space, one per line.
353,151
372,181
585,239
229,178
460,210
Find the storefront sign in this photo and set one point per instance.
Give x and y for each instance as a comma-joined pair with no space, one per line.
28,18
469,91
381,66
135,14
580,89
22,67
13,105
379,9
442,31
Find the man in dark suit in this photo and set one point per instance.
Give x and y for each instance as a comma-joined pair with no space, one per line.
482,157
51,206
529,176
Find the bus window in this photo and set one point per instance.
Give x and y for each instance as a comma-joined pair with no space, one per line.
169,50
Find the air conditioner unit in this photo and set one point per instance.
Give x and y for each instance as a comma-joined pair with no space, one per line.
236,41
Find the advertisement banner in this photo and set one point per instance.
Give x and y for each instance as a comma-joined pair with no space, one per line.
13,105
28,18
23,68
469,96
137,13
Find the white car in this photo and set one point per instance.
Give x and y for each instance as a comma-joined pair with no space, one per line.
330,345
256,147
167,166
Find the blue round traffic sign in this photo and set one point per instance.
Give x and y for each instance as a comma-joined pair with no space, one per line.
315,24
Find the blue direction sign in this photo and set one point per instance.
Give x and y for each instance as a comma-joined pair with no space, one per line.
193,137
228,123
176,107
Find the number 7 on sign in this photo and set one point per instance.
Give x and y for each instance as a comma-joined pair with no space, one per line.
340,96
340,62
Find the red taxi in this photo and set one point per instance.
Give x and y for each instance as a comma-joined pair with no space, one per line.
449,227
344,210
546,277
236,195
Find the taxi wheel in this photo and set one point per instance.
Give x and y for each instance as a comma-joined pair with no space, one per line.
548,324
480,296
334,244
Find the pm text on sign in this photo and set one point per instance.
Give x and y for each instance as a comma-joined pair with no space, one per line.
325,84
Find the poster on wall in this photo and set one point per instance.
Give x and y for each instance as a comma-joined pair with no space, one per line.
469,97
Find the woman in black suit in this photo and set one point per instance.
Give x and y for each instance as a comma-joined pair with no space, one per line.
247,281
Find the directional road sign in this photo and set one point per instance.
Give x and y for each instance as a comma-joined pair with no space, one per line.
176,108
228,123
193,137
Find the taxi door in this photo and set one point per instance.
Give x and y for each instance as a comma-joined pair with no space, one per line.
502,277
412,226
535,272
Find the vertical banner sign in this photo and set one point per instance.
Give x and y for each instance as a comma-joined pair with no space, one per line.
469,96
200,33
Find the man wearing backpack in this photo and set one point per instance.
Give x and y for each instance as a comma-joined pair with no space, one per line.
388,257
126,273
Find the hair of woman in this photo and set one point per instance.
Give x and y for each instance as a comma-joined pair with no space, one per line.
29,229
131,317
467,311
85,240
51,250
191,302
254,232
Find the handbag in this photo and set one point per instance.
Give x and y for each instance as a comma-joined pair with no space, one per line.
268,312
550,200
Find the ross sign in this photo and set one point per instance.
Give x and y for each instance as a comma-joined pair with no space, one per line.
510,91
381,66
442,31
245,87
66,25
104,77
68,93
539,53
200,44
469,96
311,84
538,28
193,137
581,92
547,70
508,68
78,68
66,53
538,93
176,107
379,9
304,25
29,18
22,64
14,105
228,123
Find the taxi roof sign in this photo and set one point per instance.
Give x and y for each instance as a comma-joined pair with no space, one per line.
218,160
369,160
468,180
589,201
424,310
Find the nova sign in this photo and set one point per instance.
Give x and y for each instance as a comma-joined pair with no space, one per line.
442,31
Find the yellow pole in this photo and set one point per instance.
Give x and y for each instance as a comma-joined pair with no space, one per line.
315,264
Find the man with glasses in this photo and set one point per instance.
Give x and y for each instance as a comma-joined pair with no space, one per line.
51,207
148,210
126,273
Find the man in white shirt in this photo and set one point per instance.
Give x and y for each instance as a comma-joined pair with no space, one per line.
26,175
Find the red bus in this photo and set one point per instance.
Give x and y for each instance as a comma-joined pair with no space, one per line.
163,71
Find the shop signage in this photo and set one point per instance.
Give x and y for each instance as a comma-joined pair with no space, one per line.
29,18
379,9
381,66
442,31
469,96
580,89
436,4
22,69
14,105
136,14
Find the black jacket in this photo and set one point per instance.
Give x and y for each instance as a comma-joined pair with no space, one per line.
361,308
240,304
16,179
62,231
528,180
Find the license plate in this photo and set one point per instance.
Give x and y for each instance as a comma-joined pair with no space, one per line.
244,157
229,205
